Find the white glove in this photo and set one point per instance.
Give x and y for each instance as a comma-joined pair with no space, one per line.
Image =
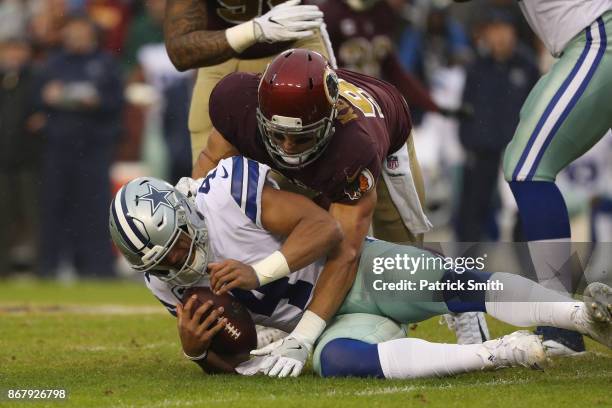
188,186
288,21
282,358
254,365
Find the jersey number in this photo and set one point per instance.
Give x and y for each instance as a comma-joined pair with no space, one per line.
297,294
360,99
239,11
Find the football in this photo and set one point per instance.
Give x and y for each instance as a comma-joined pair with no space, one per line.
239,335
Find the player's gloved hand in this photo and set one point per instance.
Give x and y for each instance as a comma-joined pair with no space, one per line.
253,366
230,274
283,357
197,334
188,186
288,21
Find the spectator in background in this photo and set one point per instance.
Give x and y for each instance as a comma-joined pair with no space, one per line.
81,95
150,67
14,15
113,17
362,35
145,28
497,83
440,42
19,155
48,16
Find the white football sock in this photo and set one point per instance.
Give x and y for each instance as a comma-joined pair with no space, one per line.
416,358
551,260
523,303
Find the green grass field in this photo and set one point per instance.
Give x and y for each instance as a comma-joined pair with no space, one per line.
113,345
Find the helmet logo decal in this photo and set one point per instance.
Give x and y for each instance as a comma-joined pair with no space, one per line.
157,198
331,85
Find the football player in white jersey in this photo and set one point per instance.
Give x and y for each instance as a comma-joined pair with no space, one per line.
566,113
268,246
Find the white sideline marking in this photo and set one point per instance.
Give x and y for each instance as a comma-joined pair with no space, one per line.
81,309
94,348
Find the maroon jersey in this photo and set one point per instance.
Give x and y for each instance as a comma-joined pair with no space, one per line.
363,42
373,121
223,14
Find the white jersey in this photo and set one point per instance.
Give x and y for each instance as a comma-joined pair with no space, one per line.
230,200
556,22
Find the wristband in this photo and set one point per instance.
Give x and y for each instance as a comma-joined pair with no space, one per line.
241,36
198,358
271,268
309,328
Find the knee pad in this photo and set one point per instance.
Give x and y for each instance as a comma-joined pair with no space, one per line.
350,358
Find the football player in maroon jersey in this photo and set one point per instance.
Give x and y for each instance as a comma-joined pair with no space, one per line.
224,36
361,34
334,132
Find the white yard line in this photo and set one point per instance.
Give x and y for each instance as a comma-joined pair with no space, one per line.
110,309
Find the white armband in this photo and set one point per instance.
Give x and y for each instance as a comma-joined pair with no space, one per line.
271,268
309,328
241,36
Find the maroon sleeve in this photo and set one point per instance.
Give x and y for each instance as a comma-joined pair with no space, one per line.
412,89
228,101
356,180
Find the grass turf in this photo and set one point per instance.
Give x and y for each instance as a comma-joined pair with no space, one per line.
64,337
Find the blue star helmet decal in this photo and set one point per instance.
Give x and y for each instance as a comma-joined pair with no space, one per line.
156,198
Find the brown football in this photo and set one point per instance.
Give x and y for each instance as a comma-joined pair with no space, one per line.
239,335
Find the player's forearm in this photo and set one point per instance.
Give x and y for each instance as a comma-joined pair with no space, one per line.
189,43
340,270
310,240
199,49
203,165
334,283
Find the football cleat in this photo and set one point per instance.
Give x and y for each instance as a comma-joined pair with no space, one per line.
594,316
520,348
561,342
469,327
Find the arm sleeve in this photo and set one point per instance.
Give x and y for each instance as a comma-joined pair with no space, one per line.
248,179
239,182
358,180
220,105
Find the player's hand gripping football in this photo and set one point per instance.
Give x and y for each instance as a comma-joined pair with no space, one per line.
287,22
280,359
231,274
197,334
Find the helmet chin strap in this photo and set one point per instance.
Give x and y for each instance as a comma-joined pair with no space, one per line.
192,272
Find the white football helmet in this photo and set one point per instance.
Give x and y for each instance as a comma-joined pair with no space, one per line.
147,218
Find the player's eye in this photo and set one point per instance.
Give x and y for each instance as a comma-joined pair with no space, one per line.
302,140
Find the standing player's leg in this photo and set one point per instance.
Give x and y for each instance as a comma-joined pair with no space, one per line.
566,113
407,293
199,120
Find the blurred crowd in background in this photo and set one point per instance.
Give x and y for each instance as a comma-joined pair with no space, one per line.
89,99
